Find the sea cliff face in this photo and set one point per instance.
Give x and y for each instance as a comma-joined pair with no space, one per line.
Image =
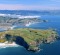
28,38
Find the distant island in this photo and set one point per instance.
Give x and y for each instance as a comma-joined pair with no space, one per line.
7,22
29,38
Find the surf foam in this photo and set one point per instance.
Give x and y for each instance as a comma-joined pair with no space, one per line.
5,45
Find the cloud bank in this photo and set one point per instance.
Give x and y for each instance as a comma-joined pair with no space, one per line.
27,7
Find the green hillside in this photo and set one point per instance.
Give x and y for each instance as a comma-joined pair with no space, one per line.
33,37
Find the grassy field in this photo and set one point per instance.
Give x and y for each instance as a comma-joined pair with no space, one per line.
31,36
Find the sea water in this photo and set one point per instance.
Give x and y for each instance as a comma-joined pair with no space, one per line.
47,49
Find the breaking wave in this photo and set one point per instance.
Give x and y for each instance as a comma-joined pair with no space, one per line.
4,45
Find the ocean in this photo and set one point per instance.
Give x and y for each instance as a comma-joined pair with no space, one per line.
47,49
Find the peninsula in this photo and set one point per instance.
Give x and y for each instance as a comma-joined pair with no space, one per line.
29,38
6,22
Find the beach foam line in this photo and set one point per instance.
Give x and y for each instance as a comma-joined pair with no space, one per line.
28,24
4,45
29,16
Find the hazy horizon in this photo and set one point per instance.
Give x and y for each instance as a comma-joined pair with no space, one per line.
29,4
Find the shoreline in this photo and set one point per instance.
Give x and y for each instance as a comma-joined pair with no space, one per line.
5,45
27,25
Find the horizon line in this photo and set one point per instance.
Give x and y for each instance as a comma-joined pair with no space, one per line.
27,7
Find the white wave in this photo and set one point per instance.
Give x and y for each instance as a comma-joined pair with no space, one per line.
5,15
28,24
5,45
2,14
12,27
29,16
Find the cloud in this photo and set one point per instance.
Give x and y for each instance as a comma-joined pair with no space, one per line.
26,7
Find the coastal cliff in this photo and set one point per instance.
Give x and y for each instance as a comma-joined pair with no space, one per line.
28,38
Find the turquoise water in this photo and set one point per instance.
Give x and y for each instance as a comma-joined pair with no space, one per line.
47,49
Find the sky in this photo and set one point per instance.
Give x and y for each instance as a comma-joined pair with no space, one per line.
29,4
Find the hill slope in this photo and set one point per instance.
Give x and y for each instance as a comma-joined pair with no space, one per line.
29,38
